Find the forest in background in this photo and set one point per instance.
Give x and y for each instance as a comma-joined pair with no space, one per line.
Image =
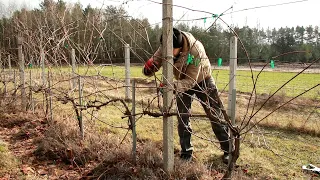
99,35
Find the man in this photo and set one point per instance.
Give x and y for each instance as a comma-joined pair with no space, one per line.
192,71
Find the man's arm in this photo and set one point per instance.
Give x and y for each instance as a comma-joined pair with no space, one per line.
153,64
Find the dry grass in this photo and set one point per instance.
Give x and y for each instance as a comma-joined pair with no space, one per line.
7,161
118,164
61,142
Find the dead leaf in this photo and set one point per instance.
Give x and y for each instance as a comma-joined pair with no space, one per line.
26,169
42,172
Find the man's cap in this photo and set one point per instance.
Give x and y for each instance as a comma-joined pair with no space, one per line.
177,38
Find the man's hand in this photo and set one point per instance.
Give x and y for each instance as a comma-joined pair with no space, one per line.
161,87
149,64
149,67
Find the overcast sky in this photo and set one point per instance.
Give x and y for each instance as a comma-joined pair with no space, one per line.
303,13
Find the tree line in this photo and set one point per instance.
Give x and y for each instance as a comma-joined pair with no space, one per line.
99,35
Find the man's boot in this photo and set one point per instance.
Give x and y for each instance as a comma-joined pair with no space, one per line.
225,158
186,157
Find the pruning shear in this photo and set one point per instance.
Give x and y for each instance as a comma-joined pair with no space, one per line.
311,168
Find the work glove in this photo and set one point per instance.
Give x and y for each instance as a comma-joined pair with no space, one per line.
149,67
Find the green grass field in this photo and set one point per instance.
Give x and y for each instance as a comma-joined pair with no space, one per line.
268,82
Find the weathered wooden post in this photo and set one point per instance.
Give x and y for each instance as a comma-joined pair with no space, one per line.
43,68
30,92
73,63
80,112
167,46
1,62
133,123
231,111
50,97
15,87
9,62
21,70
127,71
